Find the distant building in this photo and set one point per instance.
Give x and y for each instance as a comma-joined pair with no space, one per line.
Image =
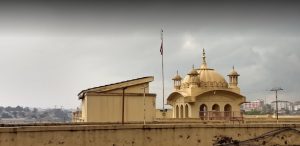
282,106
253,105
118,102
296,106
204,93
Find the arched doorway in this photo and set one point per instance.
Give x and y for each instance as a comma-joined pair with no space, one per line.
216,107
177,112
181,111
186,111
203,112
215,112
227,111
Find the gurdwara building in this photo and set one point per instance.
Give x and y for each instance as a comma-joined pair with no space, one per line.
204,93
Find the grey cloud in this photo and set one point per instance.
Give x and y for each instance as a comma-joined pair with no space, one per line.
51,51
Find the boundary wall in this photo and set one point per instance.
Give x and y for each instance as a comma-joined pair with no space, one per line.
158,134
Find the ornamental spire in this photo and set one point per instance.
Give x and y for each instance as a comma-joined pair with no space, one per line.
204,65
203,56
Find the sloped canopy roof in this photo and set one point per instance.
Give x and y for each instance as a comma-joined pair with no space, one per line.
117,85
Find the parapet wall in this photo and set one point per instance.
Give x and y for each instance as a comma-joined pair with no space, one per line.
96,134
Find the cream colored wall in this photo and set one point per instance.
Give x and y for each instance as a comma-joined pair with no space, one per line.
109,108
84,109
104,108
137,135
134,108
159,113
179,101
220,98
195,108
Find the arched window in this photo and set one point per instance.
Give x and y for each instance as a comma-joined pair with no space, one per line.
216,107
227,111
186,111
181,111
177,112
216,112
203,112
227,107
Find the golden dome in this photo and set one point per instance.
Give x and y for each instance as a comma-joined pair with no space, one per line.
212,78
193,72
206,76
177,77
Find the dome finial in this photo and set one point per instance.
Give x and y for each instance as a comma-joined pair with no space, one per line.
203,56
204,65
233,67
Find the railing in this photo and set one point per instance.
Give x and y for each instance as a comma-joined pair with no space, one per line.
217,115
77,116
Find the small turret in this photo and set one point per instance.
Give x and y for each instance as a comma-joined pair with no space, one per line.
194,78
233,78
177,81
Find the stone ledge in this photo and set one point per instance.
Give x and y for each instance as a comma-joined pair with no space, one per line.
101,126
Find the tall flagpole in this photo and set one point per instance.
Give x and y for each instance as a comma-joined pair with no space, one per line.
162,68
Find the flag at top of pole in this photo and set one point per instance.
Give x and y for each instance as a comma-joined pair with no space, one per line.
161,46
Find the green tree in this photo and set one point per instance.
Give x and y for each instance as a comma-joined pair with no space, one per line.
19,108
253,112
267,109
14,113
6,115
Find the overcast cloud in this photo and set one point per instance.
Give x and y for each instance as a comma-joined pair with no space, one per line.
51,51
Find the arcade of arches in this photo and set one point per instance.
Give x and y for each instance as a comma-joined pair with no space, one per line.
204,93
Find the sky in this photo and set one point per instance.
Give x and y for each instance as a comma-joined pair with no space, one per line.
50,51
